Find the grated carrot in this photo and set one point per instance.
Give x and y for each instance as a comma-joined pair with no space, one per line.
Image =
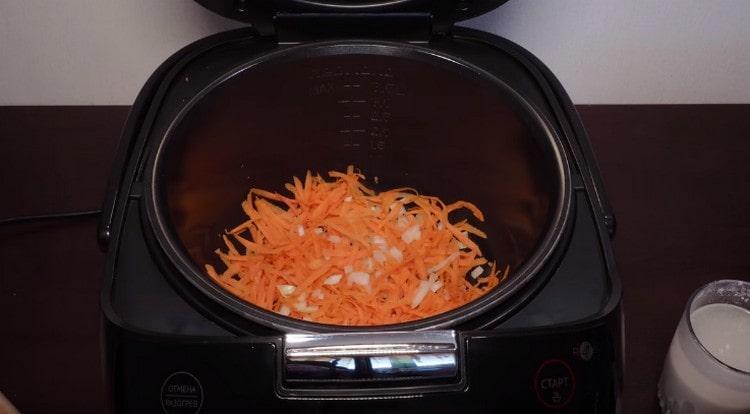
339,253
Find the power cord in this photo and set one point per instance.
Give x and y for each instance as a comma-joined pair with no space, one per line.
49,217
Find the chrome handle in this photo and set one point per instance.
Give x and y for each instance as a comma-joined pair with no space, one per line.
371,356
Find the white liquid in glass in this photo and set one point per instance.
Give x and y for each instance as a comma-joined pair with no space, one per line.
691,382
724,330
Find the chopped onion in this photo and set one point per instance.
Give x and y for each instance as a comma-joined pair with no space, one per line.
332,279
318,294
436,286
348,269
378,241
422,290
286,290
476,272
439,225
303,307
348,199
318,230
396,254
300,230
360,278
378,256
368,264
284,310
334,239
411,234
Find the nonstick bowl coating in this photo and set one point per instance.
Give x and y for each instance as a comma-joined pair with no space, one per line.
403,113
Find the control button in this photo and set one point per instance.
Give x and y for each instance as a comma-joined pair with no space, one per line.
181,393
584,350
554,383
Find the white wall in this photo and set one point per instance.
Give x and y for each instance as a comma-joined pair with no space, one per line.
72,52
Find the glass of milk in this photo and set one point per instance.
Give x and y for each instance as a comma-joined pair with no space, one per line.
707,369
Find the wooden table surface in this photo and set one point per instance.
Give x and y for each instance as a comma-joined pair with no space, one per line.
678,177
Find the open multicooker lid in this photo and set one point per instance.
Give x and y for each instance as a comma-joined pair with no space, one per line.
259,12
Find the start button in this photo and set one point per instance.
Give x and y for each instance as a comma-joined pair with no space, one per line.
554,383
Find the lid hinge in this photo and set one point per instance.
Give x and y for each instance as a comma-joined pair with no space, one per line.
301,27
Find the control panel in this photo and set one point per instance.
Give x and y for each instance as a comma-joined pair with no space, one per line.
520,372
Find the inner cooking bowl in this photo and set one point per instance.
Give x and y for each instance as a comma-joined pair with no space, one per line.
404,114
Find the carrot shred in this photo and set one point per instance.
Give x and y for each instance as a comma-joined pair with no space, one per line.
353,256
